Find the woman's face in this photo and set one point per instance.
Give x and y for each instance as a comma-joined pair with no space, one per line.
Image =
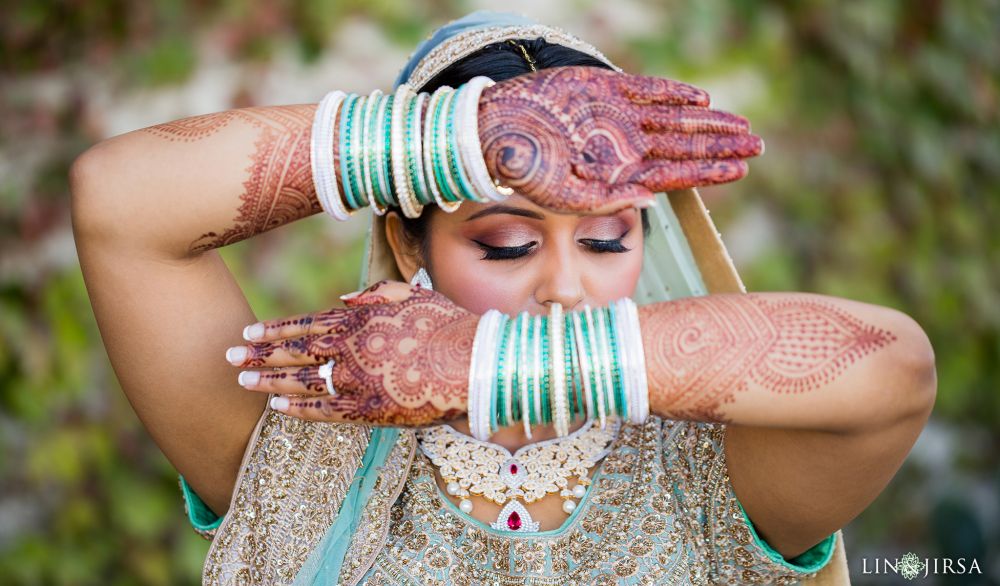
516,256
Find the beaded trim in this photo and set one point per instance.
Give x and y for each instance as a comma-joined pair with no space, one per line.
464,44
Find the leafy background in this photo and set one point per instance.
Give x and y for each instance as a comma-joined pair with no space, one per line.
880,183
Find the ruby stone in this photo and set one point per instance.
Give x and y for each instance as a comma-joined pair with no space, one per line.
514,521
513,468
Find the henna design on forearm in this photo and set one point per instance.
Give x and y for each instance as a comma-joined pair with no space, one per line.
278,188
575,138
701,352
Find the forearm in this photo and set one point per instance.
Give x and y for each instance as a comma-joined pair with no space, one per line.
200,183
791,360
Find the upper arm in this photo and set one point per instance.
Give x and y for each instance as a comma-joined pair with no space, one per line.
798,486
166,323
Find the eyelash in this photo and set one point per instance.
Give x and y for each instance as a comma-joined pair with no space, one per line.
514,252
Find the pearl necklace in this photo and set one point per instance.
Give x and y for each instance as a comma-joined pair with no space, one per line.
474,467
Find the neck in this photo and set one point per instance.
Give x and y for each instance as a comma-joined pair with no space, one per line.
512,437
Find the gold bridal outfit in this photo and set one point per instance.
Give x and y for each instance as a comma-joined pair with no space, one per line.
325,503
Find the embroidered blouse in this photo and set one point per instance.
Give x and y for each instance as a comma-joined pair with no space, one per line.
661,510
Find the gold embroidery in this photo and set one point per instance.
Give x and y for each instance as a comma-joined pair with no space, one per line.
291,484
662,511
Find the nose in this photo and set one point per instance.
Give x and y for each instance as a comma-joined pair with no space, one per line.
561,282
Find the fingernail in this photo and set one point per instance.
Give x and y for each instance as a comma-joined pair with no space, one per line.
646,203
347,296
253,331
249,378
236,354
279,403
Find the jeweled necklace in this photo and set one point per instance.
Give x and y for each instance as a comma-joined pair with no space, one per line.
474,467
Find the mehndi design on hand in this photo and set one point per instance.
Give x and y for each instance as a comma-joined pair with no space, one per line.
585,139
401,357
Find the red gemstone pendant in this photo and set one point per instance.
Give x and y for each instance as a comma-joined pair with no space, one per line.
514,517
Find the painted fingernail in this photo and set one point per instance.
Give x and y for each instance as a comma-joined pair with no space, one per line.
279,403
253,331
646,203
249,378
351,295
236,354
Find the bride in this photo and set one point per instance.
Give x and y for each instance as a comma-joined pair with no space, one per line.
734,440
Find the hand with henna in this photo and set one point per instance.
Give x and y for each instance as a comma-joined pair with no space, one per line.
401,356
591,140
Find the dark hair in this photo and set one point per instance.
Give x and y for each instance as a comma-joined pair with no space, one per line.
498,61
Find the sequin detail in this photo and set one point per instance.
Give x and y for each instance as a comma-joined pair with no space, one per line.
471,41
647,521
661,511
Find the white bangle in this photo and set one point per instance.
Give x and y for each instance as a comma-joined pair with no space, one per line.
482,373
538,371
604,344
584,364
321,156
596,365
415,153
402,102
487,348
367,143
639,364
379,148
624,358
471,148
442,143
522,366
472,396
429,144
560,415
511,365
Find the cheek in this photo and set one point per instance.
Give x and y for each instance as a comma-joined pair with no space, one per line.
610,281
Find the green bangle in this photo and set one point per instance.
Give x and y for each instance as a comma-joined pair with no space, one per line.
412,153
515,384
358,143
617,372
528,369
498,379
373,133
458,171
346,145
436,154
573,368
547,383
386,159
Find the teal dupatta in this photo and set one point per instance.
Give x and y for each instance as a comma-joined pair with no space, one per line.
323,565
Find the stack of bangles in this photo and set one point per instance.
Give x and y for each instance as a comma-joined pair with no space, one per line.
557,368
406,150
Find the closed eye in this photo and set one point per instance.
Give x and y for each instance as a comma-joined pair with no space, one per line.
504,252
601,246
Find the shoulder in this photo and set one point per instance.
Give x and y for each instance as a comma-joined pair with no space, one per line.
293,478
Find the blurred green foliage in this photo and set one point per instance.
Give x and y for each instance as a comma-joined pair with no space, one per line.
880,183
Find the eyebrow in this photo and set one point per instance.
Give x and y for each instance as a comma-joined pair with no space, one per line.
505,209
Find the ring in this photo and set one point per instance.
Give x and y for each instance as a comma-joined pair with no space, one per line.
326,373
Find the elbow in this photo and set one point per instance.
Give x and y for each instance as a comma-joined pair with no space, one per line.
89,187
915,363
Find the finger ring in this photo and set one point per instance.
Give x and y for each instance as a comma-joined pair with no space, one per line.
326,373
